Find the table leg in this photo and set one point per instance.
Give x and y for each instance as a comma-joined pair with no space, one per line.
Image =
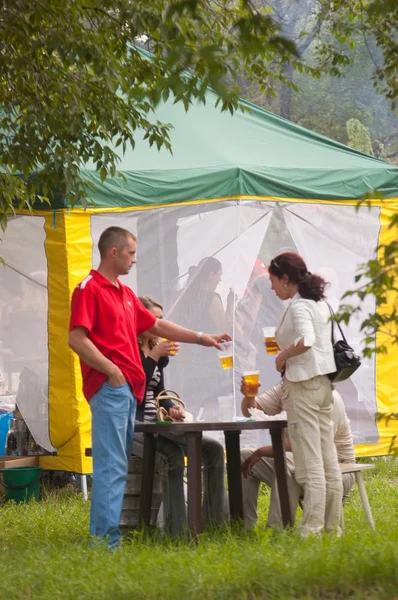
148,472
232,447
194,472
280,473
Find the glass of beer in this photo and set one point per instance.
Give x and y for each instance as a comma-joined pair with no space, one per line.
175,347
251,380
271,346
226,355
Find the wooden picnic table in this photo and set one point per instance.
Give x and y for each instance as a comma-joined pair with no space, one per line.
193,432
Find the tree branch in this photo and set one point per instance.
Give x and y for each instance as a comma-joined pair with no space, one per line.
309,39
103,12
390,137
365,39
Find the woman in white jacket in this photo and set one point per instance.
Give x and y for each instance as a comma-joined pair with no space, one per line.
305,359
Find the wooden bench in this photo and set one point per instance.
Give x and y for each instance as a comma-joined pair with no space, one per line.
357,469
130,517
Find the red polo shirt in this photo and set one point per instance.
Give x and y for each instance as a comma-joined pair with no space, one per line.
113,317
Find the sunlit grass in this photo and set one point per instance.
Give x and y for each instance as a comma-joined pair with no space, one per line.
44,555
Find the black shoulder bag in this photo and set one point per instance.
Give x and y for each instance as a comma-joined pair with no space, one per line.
347,362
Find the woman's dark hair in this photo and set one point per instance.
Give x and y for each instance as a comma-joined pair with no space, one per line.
291,264
149,303
191,304
201,272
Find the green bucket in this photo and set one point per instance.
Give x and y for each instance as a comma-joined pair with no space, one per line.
21,483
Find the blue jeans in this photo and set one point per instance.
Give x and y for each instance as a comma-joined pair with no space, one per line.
113,415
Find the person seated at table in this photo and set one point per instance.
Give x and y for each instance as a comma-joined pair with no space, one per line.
258,465
171,448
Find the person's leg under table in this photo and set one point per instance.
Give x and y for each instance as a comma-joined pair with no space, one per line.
174,509
251,486
113,414
169,461
295,493
214,495
194,471
215,509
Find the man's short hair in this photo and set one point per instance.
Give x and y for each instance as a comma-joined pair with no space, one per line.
114,237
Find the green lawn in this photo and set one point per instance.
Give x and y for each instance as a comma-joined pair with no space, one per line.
44,555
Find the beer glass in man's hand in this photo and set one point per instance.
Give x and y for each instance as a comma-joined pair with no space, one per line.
250,383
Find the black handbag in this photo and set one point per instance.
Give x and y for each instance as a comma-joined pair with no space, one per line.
347,361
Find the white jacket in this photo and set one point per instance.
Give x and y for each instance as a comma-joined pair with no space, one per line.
309,320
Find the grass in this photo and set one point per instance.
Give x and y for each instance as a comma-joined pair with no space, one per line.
44,555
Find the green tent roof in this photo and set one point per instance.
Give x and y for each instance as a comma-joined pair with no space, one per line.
253,153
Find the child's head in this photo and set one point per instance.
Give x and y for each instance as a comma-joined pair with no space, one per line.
157,310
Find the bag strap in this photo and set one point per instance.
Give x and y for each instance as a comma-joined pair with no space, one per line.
338,325
168,395
163,415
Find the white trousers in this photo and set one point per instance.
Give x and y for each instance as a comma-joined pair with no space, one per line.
263,471
308,405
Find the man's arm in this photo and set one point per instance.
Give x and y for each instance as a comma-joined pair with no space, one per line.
270,402
85,349
176,333
289,352
267,451
248,402
263,452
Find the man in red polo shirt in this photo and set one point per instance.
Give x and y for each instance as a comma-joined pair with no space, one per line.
106,318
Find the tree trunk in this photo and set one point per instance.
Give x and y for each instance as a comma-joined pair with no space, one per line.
286,94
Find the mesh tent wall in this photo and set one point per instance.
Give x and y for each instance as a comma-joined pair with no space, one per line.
237,188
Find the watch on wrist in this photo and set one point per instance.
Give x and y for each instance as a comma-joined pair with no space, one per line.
199,338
